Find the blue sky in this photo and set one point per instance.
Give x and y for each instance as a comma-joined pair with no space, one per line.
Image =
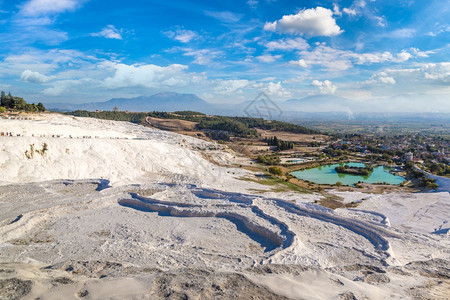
226,51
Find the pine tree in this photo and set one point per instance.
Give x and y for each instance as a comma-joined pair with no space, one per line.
3,99
40,107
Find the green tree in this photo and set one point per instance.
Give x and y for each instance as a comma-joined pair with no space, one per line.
40,107
3,99
276,171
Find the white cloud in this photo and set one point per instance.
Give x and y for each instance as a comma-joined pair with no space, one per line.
424,79
350,11
336,10
288,44
340,60
41,61
325,87
328,57
403,56
381,20
231,86
109,32
273,88
381,78
202,56
224,16
401,33
312,22
43,7
35,77
61,87
252,3
438,72
371,58
361,7
148,76
416,52
440,29
267,58
301,63
30,24
182,35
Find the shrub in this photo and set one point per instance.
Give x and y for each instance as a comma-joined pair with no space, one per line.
276,171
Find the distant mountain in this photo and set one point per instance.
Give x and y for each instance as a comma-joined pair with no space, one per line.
317,105
320,103
159,102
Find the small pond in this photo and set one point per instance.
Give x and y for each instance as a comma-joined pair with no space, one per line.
327,175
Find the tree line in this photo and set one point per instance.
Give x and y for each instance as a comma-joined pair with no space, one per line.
225,126
10,102
281,145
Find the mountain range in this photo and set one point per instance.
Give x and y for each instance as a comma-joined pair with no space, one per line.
316,105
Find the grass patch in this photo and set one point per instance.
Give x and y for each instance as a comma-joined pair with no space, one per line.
278,184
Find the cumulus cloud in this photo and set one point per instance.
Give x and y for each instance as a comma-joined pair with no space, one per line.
330,58
182,35
437,72
301,63
403,56
267,58
433,77
273,88
109,32
381,78
148,76
317,21
325,87
288,44
340,60
416,52
35,77
44,7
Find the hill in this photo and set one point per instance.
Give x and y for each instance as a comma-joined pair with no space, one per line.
161,102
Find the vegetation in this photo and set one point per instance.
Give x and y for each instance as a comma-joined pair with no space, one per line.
229,126
423,180
346,169
111,115
437,168
189,113
30,153
276,171
281,145
9,102
279,185
270,160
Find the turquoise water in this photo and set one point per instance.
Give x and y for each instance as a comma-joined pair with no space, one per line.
327,175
